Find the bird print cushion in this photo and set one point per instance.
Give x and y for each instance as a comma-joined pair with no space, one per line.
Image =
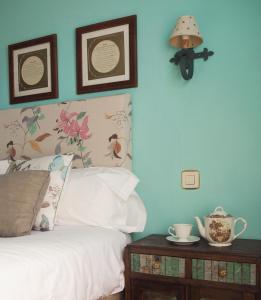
59,168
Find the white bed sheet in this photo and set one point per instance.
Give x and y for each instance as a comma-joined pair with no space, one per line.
69,263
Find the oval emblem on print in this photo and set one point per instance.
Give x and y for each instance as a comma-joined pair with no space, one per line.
32,70
105,56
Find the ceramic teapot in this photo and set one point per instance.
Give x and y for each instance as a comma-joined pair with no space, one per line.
219,227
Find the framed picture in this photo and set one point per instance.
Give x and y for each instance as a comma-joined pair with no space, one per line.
33,73
106,55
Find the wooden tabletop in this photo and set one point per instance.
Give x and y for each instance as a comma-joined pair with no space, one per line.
243,247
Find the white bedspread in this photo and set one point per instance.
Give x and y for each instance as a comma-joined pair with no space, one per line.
69,263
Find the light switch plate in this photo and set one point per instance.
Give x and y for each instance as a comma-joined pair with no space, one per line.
190,179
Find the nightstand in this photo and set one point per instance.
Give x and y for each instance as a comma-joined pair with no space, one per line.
158,270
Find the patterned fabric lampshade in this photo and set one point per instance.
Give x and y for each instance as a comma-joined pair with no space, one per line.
186,33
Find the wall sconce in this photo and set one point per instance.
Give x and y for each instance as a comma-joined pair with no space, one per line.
186,36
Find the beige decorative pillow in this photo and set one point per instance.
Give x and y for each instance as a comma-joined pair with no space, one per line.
59,167
20,199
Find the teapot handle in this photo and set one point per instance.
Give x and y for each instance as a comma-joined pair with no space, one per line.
244,228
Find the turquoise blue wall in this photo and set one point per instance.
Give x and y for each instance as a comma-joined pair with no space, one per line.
211,123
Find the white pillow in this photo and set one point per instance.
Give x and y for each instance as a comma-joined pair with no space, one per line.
59,167
136,214
89,200
119,180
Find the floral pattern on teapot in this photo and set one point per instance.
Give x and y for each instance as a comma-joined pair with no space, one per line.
219,231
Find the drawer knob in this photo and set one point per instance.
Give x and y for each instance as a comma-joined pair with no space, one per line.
222,273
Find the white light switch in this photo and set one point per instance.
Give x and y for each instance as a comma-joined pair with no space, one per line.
190,179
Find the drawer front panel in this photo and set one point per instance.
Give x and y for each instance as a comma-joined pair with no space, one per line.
158,265
230,272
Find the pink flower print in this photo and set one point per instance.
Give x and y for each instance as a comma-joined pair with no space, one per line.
67,116
65,120
84,129
72,127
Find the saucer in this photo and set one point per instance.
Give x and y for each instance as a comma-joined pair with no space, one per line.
189,241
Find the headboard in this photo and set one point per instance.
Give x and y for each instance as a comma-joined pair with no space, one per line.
97,131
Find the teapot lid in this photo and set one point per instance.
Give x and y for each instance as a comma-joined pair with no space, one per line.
219,212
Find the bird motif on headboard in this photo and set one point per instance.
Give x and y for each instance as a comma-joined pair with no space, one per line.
97,131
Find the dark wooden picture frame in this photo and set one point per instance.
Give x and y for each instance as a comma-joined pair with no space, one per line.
106,55
33,70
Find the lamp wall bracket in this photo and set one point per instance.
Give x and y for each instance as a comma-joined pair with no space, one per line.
185,59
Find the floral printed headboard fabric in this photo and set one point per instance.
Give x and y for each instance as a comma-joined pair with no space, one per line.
97,131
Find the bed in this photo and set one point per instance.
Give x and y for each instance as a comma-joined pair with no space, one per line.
70,262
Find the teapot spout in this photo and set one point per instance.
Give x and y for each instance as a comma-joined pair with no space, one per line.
201,228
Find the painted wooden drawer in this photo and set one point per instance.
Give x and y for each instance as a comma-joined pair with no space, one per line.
230,272
158,265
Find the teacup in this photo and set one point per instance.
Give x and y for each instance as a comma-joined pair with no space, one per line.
180,231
